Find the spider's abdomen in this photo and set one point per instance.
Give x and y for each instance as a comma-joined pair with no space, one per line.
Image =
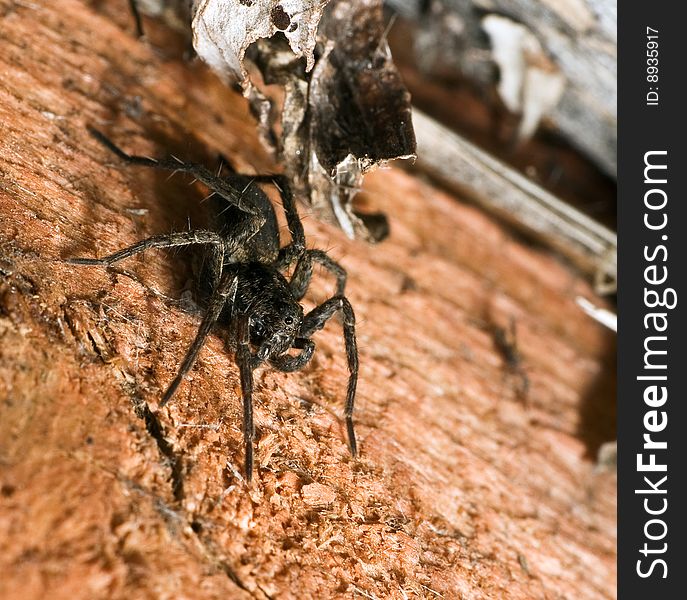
230,221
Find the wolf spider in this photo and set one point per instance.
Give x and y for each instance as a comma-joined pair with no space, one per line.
248,294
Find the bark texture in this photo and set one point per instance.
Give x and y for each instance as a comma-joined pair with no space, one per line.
578,39
466,487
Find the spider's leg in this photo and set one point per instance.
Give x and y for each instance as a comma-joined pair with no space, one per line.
294,250
315,320
245,363
224,293
303,272
215,261
185,238
224,286
287,363
133,6
293,220
218,185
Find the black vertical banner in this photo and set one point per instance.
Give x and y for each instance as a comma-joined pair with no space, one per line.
652,301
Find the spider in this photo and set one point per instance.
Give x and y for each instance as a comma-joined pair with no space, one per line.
248,296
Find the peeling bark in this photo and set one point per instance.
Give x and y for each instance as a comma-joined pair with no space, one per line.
346,117
342,109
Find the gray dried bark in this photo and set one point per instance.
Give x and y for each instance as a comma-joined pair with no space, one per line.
578,36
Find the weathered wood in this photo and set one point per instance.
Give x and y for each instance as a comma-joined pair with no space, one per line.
578,36
589,245
462,489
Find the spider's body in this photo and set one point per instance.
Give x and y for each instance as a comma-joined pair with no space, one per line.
257,307
261,290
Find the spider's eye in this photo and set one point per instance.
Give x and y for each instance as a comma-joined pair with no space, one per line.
258,328
288,320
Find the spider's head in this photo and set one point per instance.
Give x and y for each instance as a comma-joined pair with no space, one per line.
274,329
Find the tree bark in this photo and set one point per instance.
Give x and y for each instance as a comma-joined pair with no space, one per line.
579,37
468,485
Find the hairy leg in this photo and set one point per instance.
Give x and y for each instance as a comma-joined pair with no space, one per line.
294,250
288,364
185,238
303,273
216,184
224,293
315,320
245,363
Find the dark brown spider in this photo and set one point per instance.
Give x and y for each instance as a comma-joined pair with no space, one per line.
248,294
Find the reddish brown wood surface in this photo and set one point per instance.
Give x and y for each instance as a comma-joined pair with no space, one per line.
462,489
